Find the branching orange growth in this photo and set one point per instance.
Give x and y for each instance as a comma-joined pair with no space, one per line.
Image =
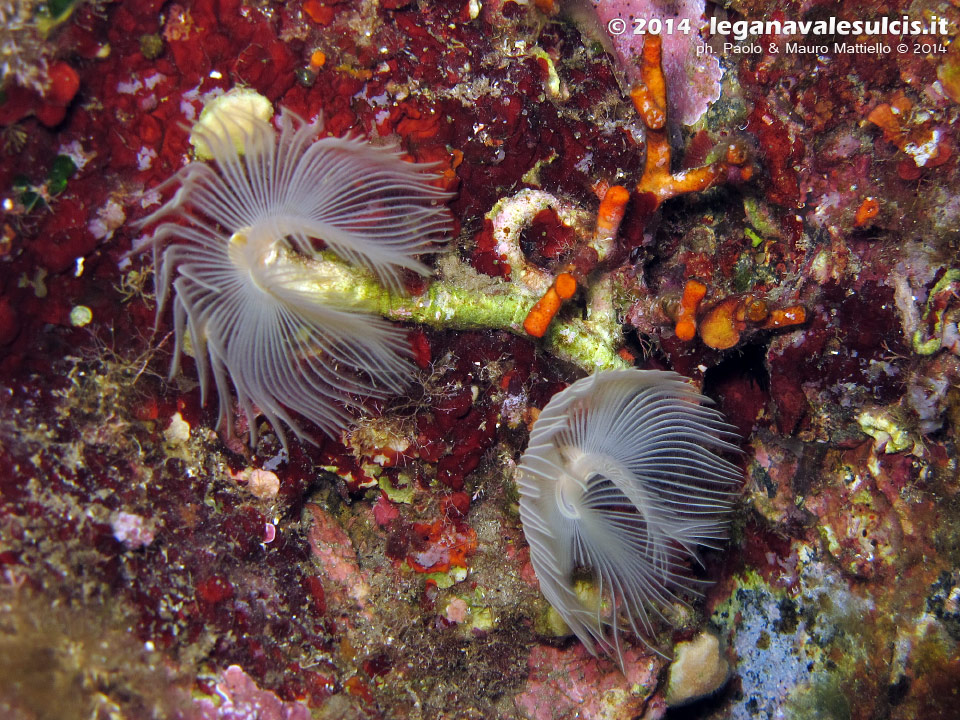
650,100
656,184
610,215
693,292
565,285
543,312
754,310
724,323
650,96
785,317
721,326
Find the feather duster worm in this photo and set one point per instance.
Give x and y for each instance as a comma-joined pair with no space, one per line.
620,481
234,253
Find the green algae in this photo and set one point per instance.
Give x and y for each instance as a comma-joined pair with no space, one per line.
395,494
464,300
824,700
447,578
33,196
151,46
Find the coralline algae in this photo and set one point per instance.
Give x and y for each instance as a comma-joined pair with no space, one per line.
693,72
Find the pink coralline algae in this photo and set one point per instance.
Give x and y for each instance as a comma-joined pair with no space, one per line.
693,74
571,683
239,698
337,559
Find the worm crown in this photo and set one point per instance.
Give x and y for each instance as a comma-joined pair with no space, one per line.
620,480
234,252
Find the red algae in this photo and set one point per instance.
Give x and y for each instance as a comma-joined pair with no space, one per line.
781,153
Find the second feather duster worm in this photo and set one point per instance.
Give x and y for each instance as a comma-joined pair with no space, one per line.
621,482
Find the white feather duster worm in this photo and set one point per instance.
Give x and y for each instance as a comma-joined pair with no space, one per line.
234,249
620,481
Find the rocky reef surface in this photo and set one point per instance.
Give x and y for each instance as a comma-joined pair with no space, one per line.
797,256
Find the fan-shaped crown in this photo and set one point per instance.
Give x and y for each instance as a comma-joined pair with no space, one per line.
621,480
234,249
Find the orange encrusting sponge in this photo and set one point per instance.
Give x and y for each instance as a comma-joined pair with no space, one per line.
612,208
686,327
540,315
